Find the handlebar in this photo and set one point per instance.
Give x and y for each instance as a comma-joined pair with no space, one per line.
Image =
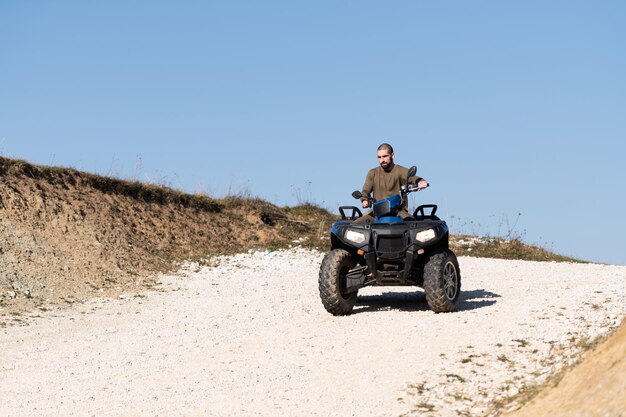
410,188
370,201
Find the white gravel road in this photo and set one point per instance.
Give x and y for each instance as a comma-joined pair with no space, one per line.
249,337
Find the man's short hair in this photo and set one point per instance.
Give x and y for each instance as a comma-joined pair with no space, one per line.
385,146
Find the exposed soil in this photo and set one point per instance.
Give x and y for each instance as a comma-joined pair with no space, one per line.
594,388
66,235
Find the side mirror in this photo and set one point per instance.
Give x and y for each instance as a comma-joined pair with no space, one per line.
412,171
357,195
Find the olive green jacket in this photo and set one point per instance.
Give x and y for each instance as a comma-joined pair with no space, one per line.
384,184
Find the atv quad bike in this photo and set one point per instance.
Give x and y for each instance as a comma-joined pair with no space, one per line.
389,251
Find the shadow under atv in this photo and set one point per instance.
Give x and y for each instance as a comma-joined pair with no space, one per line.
391,301
416,301
475,299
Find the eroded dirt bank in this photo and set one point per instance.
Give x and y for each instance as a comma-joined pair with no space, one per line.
594,388
67,235
250,337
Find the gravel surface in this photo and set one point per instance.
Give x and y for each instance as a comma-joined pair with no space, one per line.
249,336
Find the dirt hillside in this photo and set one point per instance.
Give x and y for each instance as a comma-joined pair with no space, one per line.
67,235
594,388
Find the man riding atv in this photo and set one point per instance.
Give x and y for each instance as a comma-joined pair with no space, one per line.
387,246
385,181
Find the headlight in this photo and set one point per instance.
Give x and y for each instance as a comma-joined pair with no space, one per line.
425,235
355,237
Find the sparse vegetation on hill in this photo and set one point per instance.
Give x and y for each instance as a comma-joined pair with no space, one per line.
502,248
68,177
66,235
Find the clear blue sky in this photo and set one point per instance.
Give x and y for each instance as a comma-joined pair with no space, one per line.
505,107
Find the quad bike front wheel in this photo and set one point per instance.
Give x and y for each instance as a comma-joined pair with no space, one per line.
332,282
442,282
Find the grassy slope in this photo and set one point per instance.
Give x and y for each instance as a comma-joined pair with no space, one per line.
495,247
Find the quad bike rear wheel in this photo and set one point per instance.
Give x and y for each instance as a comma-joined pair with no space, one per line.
332,282
442,282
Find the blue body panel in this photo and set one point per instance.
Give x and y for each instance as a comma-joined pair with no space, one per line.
389,219
387,207
394,201
385,212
